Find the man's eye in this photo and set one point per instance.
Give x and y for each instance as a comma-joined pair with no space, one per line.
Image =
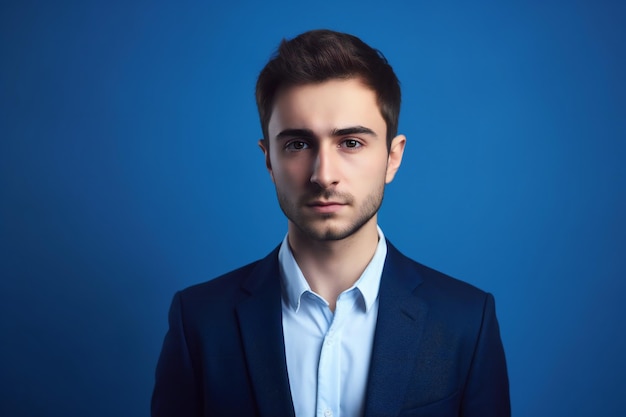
351,143
296,145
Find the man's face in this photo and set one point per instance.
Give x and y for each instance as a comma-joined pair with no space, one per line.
328,157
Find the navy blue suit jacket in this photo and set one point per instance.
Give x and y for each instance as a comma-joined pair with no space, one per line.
437,348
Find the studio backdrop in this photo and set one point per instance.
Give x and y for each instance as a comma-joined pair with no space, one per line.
129,169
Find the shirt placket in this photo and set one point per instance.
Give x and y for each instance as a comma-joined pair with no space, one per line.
329,371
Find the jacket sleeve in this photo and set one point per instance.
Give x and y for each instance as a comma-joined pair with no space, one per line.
487,390
176,389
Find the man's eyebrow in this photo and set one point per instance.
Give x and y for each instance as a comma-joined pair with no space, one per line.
299,133
308,133
353,130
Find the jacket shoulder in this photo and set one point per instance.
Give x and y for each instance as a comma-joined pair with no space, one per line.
231,286
437,285
445,283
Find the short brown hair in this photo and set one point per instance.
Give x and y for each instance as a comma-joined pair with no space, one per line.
320,55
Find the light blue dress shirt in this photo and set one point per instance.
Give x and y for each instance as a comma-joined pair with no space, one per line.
328,355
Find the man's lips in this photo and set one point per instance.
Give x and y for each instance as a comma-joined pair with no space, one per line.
326,206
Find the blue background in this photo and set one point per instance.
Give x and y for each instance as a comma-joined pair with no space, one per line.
129,169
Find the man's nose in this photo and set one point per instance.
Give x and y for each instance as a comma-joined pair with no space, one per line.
325,168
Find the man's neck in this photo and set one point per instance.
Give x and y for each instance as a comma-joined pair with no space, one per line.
331,267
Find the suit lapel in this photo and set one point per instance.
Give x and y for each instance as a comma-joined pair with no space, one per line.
398,332
260,321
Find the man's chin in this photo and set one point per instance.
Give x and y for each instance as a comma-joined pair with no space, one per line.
328,232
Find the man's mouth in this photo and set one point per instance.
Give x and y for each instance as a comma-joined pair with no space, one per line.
326,206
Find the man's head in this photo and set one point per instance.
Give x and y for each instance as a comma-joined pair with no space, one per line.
329,108
321,55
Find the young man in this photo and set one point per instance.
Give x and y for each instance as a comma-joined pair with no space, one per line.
335,321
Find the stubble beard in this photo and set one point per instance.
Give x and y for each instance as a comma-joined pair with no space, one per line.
319,227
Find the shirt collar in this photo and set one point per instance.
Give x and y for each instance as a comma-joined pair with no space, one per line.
295,285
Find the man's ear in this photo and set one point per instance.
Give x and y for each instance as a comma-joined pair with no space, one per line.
394,160
264,145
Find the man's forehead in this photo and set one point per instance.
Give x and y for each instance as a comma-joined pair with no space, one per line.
324,107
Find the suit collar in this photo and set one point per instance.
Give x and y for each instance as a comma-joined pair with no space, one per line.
400,321
401,316
260,321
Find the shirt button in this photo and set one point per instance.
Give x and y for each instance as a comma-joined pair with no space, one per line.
328,413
